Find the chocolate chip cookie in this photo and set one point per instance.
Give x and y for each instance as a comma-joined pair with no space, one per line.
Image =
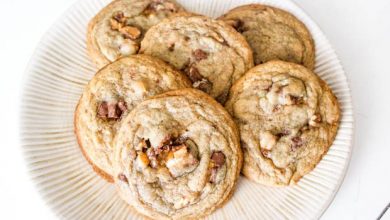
110,95
288,118
273,34
177,156
117,29
210,52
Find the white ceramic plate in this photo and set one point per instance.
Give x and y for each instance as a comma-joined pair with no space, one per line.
55,78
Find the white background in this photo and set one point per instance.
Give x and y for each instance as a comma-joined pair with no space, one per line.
359,30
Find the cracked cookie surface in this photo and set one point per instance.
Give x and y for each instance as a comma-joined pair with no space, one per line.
117,29
288,118
273,34
111,94
177,156
210,52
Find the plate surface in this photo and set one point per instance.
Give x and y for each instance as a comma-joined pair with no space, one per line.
54,81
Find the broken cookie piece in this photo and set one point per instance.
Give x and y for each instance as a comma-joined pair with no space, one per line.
199,55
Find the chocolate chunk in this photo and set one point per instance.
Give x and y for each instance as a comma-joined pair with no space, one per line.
222,98
218,159
237,23
180,140
117,21
102,110
282,133
296,100
159,5
193,74
145,145
199,55
161,149
186,38
314,120
147,142
199,82
213,175
203,85
318,118
119,16
113,111
241,28
171,47
297,142
122,177
122,106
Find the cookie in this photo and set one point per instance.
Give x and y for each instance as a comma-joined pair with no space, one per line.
110,95
211,53
273,34
117,29
288,118
177,156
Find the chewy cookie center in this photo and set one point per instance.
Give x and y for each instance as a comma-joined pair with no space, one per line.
285,100
290,116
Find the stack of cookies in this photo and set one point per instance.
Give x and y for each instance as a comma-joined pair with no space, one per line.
183,103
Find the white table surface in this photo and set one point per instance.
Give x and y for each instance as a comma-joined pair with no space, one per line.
359,30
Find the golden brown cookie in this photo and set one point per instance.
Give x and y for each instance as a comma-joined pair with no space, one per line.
117,29
210,52
110,95
177,156
288,118
273,34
